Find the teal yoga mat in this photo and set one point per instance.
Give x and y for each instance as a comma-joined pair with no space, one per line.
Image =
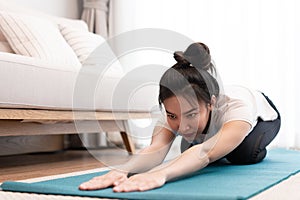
219,181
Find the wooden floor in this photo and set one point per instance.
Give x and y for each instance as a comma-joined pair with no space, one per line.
27,166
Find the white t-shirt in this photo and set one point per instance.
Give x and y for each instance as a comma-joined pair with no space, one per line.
237,103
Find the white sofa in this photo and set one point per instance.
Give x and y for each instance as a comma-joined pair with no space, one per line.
48,75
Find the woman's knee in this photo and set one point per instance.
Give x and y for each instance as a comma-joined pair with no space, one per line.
253,148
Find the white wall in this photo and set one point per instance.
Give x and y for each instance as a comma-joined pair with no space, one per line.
62,8
254,43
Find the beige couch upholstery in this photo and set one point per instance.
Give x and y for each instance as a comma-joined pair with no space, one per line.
41,59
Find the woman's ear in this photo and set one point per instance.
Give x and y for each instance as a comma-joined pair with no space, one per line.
212,102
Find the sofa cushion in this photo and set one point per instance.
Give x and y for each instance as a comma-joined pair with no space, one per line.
40,38
28,82
4,45
88,48
81,41
2,37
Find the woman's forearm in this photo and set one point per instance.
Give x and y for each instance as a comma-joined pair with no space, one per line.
145,160
199,156
152,155
189,162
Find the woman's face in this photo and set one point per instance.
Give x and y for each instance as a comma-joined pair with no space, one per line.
187,119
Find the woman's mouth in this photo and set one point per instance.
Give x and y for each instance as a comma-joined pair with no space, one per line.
190,136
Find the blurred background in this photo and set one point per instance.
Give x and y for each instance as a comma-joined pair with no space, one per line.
253,43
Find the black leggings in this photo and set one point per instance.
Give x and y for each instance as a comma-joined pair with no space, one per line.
253,148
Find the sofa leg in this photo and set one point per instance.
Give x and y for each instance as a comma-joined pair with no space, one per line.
128,142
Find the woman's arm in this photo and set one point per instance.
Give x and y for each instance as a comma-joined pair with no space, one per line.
193,159
197,157
152,155
144,160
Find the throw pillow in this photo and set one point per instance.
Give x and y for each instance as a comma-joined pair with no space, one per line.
5,47
82,42
2,37
40,38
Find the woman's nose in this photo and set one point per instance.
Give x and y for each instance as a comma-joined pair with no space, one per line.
184,127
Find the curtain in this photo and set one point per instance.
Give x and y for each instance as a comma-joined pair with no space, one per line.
253,43
95,14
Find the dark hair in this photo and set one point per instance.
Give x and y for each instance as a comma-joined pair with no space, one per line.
190,76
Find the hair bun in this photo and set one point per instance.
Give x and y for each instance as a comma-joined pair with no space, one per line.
179,57
198,55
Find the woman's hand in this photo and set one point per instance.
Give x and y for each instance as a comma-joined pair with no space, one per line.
142,182
112,178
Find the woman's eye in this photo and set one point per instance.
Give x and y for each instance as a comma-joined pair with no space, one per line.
192,115
172,116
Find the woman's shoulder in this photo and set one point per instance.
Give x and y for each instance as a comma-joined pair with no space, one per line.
238,91
238,103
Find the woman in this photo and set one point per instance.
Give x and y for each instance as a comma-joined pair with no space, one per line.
237,123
